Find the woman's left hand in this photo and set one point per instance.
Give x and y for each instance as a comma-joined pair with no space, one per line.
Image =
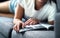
32,21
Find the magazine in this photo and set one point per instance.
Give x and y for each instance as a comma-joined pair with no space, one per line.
40,26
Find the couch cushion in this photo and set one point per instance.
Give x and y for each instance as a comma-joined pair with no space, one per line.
34,34
5,25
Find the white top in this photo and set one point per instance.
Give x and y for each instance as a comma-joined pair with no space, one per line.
47,11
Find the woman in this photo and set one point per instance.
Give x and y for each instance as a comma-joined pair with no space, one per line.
34,11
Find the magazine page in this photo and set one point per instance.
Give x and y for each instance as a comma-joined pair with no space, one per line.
31,27
47,25
37,26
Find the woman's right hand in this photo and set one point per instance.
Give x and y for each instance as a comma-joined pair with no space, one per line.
18,25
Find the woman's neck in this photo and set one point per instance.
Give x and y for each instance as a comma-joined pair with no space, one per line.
38,5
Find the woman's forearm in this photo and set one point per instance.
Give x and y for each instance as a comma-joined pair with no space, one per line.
19,12
51,22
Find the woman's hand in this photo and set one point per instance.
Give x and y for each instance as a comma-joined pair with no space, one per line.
32,21
17,26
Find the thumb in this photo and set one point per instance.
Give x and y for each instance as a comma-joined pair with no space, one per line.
17,28
23,25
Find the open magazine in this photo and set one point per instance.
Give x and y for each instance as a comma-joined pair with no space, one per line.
40,26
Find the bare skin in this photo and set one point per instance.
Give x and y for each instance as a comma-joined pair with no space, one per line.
4,7
18,17
19,14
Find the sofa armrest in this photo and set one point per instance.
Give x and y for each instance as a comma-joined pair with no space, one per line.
6,26
57,25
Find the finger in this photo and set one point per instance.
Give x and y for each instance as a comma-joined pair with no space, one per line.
27,22
34,23
17,28
14,27
31,23
23,25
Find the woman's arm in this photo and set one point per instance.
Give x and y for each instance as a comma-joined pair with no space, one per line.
51,22
51,17
19,12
